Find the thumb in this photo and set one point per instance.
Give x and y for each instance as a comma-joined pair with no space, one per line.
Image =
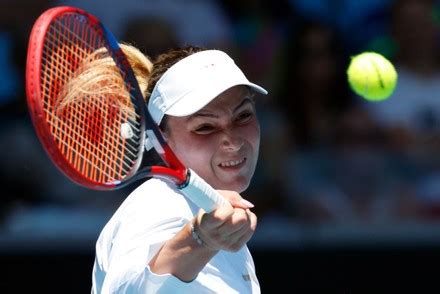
235,199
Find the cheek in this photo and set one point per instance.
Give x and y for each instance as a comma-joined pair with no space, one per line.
192,151
252,134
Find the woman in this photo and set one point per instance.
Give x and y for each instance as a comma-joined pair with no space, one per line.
158,241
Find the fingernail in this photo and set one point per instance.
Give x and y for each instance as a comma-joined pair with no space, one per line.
247,203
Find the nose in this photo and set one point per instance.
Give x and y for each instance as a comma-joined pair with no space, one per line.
231,142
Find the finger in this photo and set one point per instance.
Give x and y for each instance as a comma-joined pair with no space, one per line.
242,240
208,224
243,203
235,199
238,240
240,237
245,234
216,218
253,219
237,221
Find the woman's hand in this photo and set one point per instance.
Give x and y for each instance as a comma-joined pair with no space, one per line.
227,228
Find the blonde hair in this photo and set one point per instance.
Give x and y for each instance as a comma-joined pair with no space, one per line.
98,76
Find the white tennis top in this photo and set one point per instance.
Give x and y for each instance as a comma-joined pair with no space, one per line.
152,214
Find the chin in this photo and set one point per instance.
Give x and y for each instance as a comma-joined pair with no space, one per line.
238,186
237,182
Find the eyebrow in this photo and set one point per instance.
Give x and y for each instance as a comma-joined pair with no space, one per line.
247,99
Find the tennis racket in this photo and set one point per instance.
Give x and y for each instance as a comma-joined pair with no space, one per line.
95,137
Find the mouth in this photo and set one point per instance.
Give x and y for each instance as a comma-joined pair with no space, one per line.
233,163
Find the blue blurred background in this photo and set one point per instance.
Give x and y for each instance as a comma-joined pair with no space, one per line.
347,191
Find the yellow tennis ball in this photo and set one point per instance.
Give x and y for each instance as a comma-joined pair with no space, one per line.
372,76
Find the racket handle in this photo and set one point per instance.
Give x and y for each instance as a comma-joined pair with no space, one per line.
202,194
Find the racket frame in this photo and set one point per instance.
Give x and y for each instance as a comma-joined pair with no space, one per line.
175,170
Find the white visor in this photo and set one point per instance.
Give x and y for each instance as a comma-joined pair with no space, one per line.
193,82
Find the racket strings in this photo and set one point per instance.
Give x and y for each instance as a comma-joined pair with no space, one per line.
91,60
87,122
110,81
68,140
78,116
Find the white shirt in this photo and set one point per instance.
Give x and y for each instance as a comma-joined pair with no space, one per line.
152,214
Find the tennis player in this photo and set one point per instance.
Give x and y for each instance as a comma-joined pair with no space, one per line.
158,241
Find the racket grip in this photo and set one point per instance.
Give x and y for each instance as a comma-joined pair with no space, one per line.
202,194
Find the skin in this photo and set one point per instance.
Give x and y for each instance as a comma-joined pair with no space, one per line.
212,140
220,143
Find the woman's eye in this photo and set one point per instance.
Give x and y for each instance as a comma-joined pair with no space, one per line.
244,117
204,129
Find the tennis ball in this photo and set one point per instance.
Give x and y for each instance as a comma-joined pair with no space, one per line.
372,76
